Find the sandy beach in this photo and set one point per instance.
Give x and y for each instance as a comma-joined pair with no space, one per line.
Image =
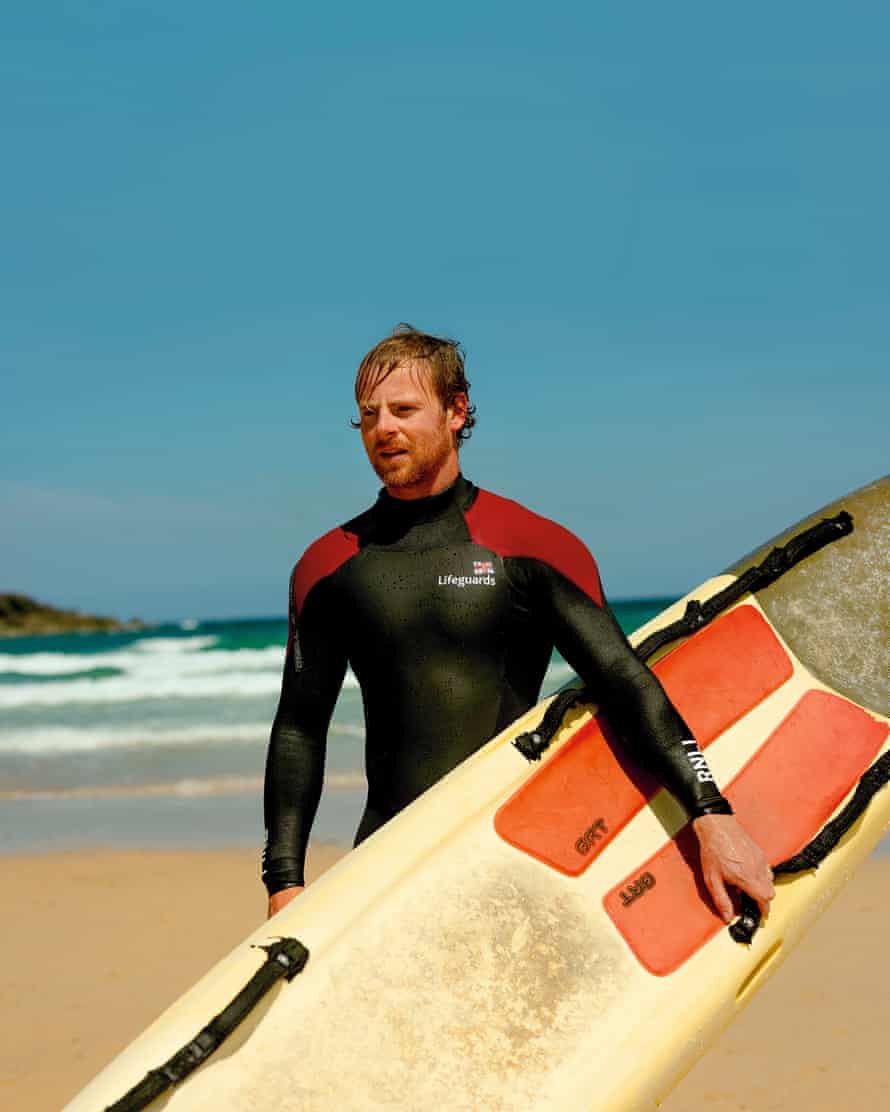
100,942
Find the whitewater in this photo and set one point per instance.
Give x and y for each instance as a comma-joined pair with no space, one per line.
159,736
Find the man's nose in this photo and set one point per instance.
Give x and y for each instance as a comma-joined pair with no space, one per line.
386,422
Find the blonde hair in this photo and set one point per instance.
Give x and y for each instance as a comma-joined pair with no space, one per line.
443,358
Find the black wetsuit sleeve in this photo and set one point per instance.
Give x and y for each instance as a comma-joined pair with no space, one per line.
592,642
314,667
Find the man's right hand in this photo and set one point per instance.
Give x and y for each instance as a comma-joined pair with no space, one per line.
281,899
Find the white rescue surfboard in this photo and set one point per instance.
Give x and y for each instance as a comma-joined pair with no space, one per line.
536,936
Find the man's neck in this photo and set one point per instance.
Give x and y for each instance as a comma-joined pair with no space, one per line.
403,513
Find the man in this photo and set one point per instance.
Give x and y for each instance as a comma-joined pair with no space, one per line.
447,602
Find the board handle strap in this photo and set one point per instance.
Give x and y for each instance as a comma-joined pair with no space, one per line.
779,560
285,958
534,743
814,853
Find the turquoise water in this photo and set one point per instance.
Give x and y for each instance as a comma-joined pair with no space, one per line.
159,737
187,705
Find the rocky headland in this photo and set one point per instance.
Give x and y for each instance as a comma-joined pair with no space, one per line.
21,616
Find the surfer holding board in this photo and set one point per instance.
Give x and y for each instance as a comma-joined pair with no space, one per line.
446,601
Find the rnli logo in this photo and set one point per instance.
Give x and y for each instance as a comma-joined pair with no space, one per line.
483,576
698,762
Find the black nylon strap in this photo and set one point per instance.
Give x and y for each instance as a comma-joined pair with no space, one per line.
534,743
775,565
814,853
284,959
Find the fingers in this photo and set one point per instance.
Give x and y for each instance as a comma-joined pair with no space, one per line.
730,857
757,883
717,889
763,893
716,884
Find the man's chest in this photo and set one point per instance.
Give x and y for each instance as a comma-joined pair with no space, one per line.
455,593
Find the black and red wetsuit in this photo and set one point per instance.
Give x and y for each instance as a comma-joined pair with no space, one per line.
447,609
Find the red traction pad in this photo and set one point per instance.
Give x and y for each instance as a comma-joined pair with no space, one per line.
783,796
568,811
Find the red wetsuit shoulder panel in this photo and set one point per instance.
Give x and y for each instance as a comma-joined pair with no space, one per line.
321,559
509,529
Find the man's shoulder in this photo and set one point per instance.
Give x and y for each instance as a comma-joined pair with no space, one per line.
512,530
322,558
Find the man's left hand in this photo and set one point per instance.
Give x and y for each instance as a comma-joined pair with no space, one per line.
730,856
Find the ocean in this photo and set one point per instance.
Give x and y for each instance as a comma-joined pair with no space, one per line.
158,738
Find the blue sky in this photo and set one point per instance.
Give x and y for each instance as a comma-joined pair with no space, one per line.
660,232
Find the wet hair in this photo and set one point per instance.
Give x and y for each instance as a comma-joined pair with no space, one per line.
442,358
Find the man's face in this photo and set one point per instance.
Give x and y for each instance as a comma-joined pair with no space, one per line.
409,435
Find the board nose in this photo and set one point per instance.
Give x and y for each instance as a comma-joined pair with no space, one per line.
833,609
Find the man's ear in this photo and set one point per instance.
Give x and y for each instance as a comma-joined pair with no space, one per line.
458,412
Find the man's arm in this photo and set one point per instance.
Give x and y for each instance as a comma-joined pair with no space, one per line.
314,666
592,642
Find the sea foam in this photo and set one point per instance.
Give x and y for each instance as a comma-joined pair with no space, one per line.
159,668
45,739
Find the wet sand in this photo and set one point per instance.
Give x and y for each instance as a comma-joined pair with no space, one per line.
99,942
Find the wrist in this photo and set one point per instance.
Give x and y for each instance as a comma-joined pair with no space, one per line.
281,875
719,805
